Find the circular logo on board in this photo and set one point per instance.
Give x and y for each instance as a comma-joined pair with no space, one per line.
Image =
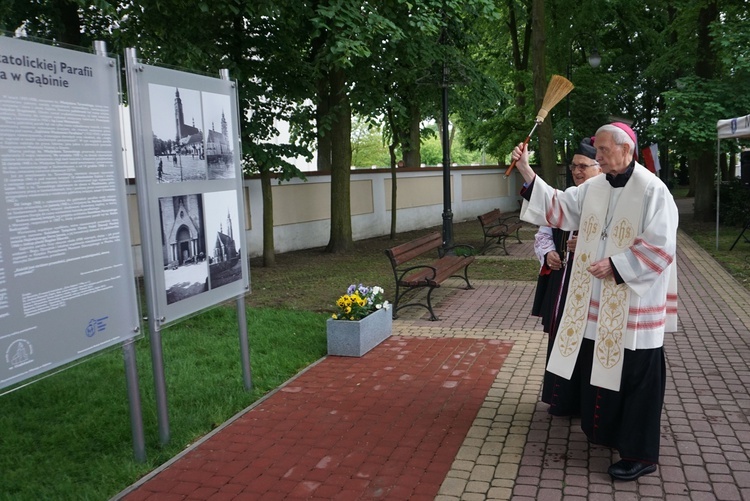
19,353
91,328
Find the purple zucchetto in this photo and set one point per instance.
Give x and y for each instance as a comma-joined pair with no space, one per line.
631,134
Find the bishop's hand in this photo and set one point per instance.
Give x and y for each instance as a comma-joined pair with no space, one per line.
520,155
601,269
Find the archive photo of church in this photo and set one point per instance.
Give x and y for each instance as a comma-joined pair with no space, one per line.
219,154
183,246
198,257
221,210
192,136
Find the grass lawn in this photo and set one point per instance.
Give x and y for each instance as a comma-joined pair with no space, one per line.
737,260
68,435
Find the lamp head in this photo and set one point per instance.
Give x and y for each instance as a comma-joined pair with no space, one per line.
595,59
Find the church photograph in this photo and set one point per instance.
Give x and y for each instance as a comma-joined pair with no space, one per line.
219,136
177,126
183,246
222,238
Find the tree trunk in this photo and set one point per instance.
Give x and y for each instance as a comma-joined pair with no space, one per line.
520,50
666,166
705,168
547,157
323,127
683,175
392,152
705,194
269,252
394,205
341,162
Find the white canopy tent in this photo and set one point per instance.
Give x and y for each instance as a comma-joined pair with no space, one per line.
732,128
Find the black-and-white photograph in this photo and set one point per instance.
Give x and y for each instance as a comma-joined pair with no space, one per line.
183,246
219,135
223,237
176,121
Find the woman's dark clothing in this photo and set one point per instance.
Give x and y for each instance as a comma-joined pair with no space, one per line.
562,395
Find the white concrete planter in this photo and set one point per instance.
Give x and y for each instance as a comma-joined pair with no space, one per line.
354,338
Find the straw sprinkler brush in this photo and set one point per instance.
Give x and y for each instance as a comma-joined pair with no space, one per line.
558,88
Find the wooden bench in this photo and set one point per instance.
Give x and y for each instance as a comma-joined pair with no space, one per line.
497,227
410,276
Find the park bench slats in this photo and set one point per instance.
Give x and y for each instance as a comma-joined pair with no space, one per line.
410,276
497,227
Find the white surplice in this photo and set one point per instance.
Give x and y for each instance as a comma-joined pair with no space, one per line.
646,264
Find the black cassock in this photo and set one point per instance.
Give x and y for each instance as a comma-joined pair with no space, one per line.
626,420
562,395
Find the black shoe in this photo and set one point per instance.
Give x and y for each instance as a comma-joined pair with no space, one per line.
556,411
630,470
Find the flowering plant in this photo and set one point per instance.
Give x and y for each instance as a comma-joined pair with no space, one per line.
359,301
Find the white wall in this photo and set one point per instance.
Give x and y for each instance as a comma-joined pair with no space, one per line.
302,208
316,233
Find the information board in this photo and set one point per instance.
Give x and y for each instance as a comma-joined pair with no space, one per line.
66,273
188,173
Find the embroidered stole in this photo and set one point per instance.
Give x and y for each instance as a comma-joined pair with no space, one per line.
611,329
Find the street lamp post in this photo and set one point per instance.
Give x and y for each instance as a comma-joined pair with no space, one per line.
447,211
444,82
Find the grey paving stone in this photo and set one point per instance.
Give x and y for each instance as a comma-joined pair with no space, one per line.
692,459
695,474
717,468
705,450
672,474
675,488
625,496
549,495
552,474
525,490
703,496
599,496
598,485
551,484
654,491
742,479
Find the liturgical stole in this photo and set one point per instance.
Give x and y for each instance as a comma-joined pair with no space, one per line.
617,232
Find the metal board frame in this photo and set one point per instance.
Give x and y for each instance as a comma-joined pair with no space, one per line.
66,270
189,184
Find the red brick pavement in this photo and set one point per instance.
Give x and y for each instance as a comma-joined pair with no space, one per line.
386,425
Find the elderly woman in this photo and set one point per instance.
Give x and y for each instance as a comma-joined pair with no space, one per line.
623,295
555,248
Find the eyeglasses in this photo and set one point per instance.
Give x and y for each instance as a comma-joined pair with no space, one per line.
581,166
